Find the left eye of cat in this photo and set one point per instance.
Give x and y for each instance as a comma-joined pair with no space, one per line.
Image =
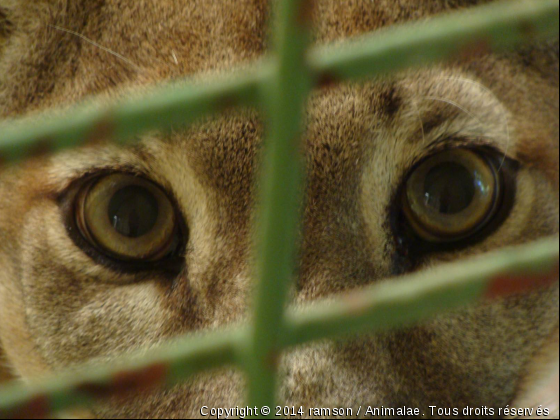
452,195
127,218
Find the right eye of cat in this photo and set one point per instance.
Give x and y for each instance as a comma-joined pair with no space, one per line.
126,218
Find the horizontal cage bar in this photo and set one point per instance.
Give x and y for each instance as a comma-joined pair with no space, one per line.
398,302
495,26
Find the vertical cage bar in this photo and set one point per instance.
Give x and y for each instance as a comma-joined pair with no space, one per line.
280,197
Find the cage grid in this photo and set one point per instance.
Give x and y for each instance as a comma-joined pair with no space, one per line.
280,84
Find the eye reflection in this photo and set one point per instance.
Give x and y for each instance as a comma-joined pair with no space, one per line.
133,211
449,188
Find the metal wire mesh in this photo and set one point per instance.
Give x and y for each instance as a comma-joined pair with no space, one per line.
281,84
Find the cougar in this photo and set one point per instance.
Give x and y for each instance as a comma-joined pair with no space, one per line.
108,249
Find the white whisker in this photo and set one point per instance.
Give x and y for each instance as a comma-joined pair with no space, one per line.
174,57
504,112
450,102
126,60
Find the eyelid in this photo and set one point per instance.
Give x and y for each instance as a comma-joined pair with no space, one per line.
457,141
69,167
82,176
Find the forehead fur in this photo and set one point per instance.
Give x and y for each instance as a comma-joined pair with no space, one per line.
69,49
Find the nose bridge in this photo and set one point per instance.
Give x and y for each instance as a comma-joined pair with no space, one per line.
339,248
334,258
317,375
219,200
336,252
220,283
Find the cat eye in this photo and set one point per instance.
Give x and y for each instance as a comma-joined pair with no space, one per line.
452,195
127,218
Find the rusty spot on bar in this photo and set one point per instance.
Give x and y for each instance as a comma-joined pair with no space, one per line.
474,50
125,383
37,408
273,360
103,131
226,103
511,284
41,148
305,13
94,390
528,30
327,81
142,380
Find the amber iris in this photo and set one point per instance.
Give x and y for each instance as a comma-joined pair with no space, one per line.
451,195
126,217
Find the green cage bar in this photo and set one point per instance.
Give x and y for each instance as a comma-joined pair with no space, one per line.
280,84
497,26
280,198
412,298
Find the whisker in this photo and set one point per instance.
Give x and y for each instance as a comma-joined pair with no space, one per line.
504,112
116,54
450,102
174,57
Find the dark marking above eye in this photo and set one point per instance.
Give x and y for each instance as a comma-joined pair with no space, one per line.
433,121
390,101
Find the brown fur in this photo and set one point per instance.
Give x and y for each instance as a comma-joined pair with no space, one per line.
58,308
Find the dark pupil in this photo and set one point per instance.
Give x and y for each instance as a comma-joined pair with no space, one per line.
449,188
133,211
